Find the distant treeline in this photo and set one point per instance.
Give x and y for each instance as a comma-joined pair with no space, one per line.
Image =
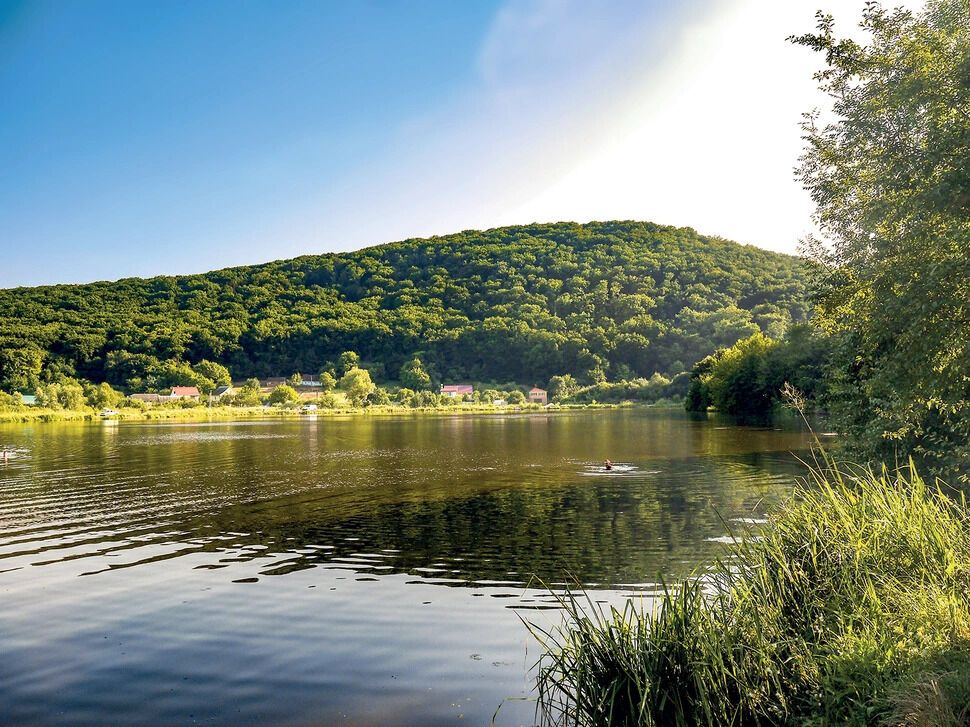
607,301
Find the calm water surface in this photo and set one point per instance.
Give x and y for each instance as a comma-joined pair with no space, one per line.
360,571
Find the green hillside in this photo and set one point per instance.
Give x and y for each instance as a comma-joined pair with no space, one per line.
605,299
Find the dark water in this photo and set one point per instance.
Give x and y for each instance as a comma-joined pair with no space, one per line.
358,571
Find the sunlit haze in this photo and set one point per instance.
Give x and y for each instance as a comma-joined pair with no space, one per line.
147,139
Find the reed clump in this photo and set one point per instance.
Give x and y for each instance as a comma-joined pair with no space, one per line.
850,607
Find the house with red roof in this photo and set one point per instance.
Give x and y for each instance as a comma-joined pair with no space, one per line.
453,390
184,392
538,396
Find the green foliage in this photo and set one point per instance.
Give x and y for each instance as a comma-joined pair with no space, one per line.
562,387
10,401
698,392
414,376
376,369
102,396
489,395
249,394
295,380
162,375
379,397
848,608
747,379
512,304
650,390
66,393
889,178
515,397
283,394
426,399
20,368
358,386
739,383
417,399
348,360
207,371
327,381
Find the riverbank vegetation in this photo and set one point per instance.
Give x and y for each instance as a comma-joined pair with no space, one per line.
209,413
72,400
849,607
343,386
747,378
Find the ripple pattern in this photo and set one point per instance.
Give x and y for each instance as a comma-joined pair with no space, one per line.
134,554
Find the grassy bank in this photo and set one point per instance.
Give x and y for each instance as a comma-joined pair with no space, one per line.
852,607
202,413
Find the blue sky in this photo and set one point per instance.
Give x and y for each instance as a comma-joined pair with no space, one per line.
172,137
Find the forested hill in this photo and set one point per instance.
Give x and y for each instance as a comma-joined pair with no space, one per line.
613,299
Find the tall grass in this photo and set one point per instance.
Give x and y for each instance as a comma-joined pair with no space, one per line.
850,607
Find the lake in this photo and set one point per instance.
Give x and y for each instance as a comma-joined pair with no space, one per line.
357,571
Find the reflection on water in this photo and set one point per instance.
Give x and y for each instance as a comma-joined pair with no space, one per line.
366,571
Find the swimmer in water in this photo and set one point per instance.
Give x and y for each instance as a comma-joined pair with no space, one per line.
607,465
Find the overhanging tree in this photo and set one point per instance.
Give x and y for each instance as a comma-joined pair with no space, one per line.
889,177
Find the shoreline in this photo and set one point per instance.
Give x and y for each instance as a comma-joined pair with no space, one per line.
225,413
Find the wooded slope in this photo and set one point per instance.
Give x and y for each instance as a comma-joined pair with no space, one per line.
613,299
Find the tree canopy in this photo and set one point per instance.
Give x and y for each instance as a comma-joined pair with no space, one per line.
358,385
889,177
604,300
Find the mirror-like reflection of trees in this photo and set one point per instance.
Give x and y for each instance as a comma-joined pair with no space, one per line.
458,499
602,530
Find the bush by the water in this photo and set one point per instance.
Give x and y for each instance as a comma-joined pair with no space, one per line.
650,390
850,607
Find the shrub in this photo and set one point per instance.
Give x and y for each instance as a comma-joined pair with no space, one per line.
11,401
379,397
101,396
283,394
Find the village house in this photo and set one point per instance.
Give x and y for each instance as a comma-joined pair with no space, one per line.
219,392
455,390
184,392
538,396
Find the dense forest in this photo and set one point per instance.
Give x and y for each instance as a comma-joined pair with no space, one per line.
600,301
